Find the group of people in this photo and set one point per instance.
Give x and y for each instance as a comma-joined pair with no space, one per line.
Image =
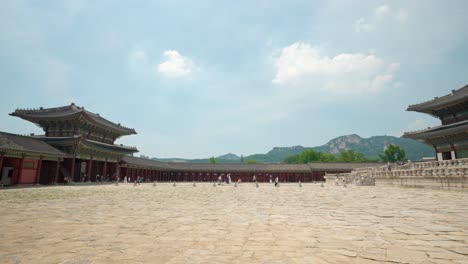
254,179
98,178
239,180
138,180
227,181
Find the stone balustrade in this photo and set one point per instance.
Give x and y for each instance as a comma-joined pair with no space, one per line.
446,174
444,168
361,177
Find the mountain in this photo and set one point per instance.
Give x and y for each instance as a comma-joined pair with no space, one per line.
277,154
229,156
371,147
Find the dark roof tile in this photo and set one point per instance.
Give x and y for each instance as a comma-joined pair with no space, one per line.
27,144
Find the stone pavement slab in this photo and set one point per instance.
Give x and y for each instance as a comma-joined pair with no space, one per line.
202,224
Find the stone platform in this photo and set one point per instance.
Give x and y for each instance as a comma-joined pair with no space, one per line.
224,224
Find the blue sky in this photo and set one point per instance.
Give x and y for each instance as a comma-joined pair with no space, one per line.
204,78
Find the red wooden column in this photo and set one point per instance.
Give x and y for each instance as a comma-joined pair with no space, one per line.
104,171
57,169
1,163
38,172
72,173
90,168
20,169
117,171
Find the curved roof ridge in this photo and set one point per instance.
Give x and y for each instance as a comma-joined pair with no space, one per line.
69,110
458,94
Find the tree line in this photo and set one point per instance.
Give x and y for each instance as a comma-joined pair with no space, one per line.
392,153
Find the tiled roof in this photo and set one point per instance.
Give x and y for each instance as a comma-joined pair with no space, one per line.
243,167
141,162
67,141
34,115
12,142
456,97
240,167
444,130
341,166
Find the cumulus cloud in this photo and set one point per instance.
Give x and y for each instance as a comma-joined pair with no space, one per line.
402,15
137,58
361,25
302,65
421,123
382,14
176,65
382,11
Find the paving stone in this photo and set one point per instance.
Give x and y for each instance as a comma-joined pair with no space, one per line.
143,224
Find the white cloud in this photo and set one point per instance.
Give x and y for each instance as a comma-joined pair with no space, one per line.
302,67
382,11
421,123
402,15
176,65
361,25
137,58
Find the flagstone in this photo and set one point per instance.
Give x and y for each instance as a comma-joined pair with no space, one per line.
163,224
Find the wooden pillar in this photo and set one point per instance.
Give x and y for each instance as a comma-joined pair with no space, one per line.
104,170
90,168
20,169
57,170
38,172
117,171
72,173
452,152
1,163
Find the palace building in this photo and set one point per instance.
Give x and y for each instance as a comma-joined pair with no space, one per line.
79,146
450,139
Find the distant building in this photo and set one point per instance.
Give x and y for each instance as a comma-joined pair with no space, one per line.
79,145
450,139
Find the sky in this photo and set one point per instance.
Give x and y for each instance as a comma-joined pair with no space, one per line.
204,78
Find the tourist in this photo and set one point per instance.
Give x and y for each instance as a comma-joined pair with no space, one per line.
276,181
220,179
254,178
271,178
239,180
97,177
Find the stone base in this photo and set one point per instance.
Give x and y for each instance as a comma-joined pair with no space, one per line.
437,183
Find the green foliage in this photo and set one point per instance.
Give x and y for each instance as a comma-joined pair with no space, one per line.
353,156
251,162
212,160
327,157
311,155
393,153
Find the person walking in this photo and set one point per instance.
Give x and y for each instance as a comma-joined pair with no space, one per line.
276,182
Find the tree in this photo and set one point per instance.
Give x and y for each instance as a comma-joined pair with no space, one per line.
352,156
308,155
312,155
212,160
393,153
327,157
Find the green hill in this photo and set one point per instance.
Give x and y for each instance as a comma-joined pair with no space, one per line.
371,147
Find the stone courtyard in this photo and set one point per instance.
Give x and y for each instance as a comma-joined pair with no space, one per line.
224,224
